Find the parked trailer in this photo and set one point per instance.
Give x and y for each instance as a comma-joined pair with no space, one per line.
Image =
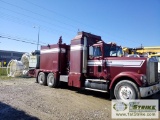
90,63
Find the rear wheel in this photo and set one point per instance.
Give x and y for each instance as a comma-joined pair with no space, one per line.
126,90
42,78
51,81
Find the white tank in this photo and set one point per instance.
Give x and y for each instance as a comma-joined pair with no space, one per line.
25,61
15,68
18,68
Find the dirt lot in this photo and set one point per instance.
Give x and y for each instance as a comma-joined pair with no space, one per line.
23,99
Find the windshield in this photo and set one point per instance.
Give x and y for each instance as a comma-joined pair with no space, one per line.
112,51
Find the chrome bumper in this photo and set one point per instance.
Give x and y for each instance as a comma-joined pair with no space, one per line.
147,91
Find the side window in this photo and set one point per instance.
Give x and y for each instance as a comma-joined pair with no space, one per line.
97,51
91,51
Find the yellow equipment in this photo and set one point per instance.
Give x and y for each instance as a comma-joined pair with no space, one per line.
155,49
142,50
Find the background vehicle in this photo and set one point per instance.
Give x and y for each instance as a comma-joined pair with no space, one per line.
89,63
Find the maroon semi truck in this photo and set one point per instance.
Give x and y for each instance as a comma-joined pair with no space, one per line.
90,63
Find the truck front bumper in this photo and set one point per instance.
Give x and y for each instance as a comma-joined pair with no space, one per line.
150,90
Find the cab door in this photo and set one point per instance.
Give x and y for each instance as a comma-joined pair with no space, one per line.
95,62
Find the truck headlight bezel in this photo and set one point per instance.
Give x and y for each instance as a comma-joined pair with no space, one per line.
143,78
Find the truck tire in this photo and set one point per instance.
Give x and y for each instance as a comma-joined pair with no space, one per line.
126,90
42,78
51,81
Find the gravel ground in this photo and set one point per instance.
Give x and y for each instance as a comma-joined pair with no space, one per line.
23,99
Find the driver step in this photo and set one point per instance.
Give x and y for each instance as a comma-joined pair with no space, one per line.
97,80
96,90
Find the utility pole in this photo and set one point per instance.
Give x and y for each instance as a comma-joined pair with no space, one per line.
38,35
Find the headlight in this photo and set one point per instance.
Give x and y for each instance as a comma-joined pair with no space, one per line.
143,79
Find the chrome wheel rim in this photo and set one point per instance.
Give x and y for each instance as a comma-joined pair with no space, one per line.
125,93
50,80
40,78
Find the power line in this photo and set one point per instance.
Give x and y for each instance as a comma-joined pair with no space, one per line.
44,16
16,37
52,11
25,22
19,40
51,18
13,19
36,19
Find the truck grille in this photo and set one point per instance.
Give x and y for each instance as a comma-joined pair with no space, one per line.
152,74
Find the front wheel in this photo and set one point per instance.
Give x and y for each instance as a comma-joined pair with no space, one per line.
126,90
51,81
